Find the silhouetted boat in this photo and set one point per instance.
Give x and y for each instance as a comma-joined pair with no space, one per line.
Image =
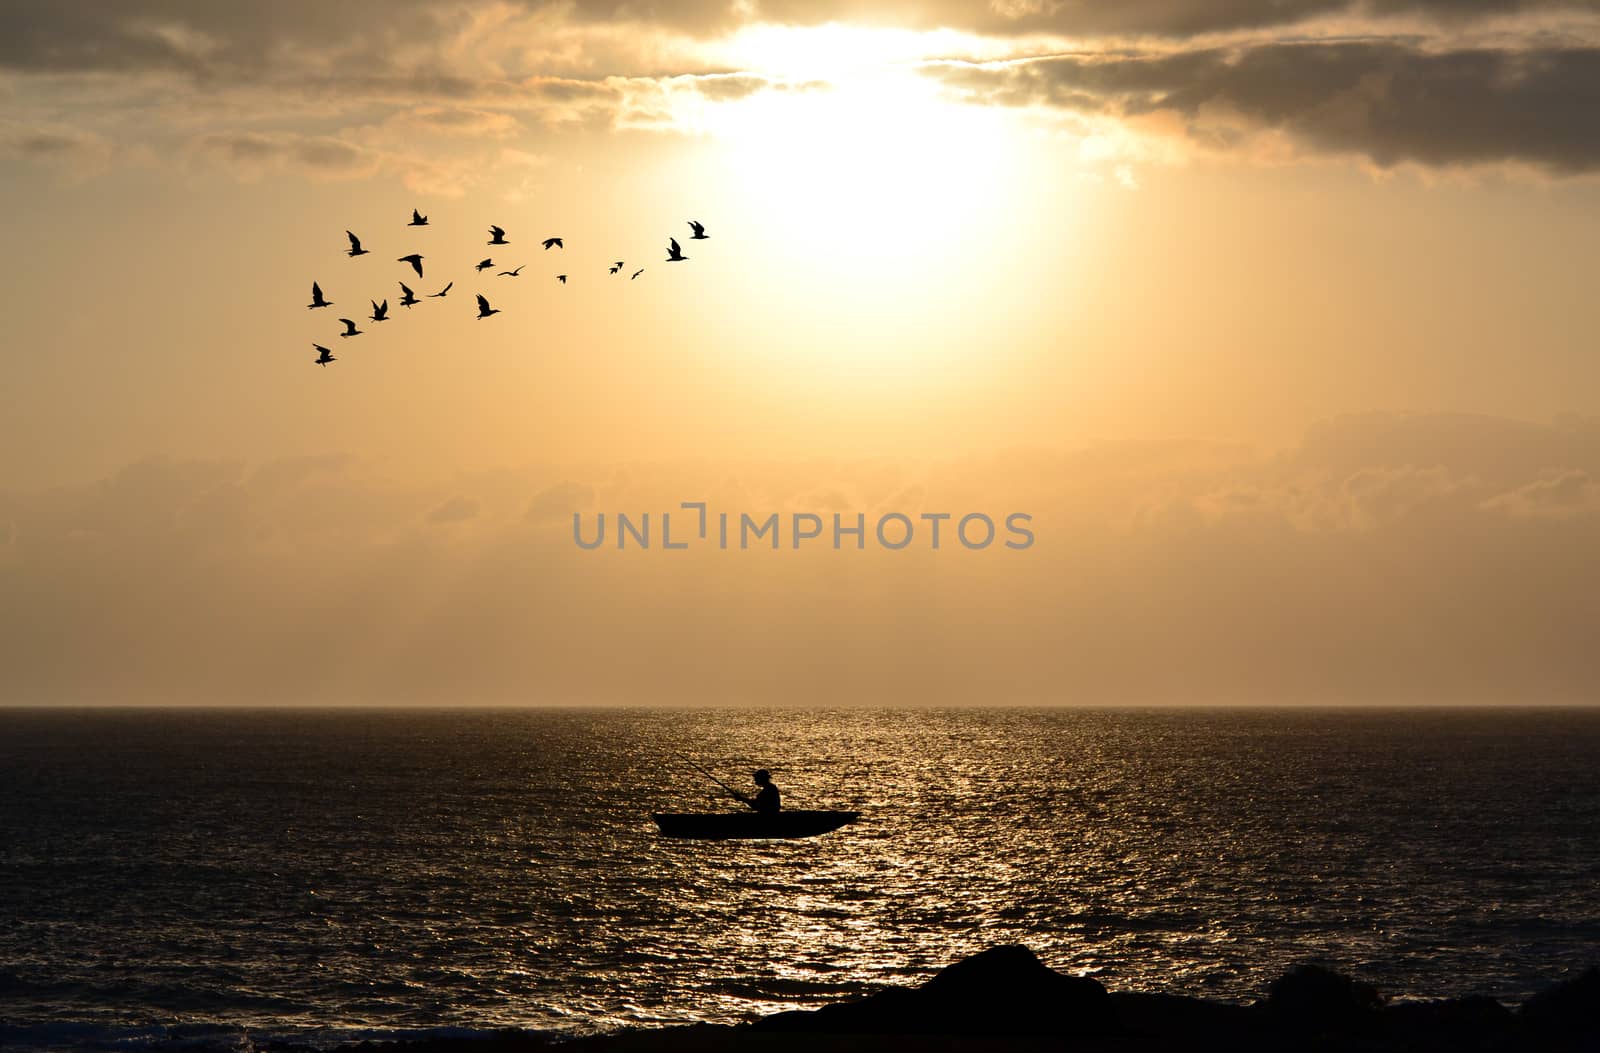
727,826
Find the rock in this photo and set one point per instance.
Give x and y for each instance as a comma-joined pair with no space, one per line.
1001,991
1478,1022
1193,1022
1310,999
1571,1007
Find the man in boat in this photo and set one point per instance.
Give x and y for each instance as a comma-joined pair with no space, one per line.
766,801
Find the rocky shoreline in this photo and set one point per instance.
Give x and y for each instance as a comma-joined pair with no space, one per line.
1004,998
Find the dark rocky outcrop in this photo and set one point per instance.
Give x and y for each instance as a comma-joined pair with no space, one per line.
1005,999
1186,1023
1570,1007
1309,999
1002,991
1475,1023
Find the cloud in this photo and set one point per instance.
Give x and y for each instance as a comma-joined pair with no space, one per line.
74,149
206,39
1500,451
559,502
1367,500
1172,571
1388,102
256,153
455,510
46,143
360,153
833,500
1156,18
459,121
1557,494
729,87
1428,82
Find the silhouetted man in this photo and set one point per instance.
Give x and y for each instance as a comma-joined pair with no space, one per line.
766,801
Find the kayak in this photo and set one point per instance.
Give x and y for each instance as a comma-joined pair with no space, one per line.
727,826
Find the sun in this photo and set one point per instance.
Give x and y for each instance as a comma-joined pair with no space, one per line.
857,153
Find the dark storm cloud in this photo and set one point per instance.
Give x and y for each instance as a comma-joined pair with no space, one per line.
1387,101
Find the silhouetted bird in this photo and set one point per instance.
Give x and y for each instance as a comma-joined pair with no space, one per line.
415,260
316,298
556,242
699,231
484,265
349,328
324,356
355,245
635,274
484,310
513,274
675,254
562,278
417,219
441,292
616,267
408,297
497,236
380,312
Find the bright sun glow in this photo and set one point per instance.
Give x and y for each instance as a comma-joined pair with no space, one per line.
858,151
834,52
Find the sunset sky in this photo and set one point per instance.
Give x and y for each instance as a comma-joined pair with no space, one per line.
1278,316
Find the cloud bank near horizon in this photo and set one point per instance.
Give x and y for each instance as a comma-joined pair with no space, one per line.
1392,559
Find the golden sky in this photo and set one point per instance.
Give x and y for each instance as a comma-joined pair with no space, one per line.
1277,318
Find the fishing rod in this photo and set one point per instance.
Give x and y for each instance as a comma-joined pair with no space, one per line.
718,781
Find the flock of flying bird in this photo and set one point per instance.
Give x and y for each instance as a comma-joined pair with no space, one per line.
497,236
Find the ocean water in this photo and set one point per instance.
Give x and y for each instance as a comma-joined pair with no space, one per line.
221,876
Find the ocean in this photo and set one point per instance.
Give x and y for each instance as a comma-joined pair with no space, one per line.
224,877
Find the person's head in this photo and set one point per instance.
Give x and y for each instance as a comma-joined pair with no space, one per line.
762,777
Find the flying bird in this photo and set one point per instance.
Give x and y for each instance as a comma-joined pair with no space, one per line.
562,278
635,274
548,242
409,298
316,298
380,312
513,274
324,356
417,219
615,267
484,310
441,292
415,260
355,245
497,236
699,231
675,254
349,328
484,265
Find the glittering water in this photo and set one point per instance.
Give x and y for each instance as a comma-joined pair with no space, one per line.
337,872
